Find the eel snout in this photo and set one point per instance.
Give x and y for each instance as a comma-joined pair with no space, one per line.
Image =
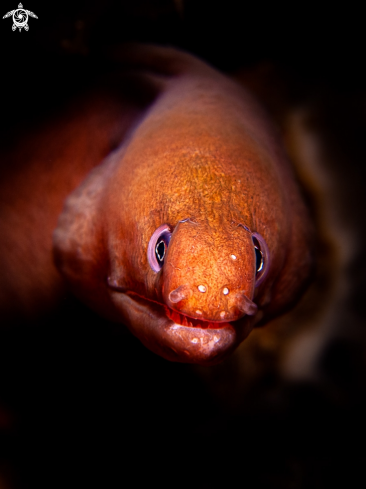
208,278
220,303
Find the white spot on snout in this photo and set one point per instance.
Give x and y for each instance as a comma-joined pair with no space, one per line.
233,257
222,314
225,291
202,288
198,312
194,340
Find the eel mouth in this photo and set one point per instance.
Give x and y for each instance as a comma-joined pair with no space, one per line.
177,337
183,320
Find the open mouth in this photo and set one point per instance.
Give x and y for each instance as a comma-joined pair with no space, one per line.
178,337
179,318
184,320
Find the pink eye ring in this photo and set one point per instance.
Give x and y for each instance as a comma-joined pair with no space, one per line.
158,246
261,257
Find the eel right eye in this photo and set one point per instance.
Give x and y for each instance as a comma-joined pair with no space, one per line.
160,250
158,246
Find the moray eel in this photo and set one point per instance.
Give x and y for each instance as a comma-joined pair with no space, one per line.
192,230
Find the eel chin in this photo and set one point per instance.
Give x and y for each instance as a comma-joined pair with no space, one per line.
177,337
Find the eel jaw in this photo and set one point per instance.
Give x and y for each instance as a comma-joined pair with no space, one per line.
152,323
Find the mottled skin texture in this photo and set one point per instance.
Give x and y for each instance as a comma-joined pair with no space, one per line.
203,159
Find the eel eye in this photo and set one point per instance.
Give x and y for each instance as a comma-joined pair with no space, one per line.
261,258
258,259
158,246
160,249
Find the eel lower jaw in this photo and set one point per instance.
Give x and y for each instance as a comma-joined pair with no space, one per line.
195,341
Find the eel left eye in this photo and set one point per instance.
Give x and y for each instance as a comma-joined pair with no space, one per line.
158,246
261,257
258,259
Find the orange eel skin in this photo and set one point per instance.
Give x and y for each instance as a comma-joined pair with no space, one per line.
163,199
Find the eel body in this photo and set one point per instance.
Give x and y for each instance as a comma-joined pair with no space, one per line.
175,213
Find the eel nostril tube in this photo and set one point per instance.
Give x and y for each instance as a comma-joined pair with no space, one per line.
179,294
246,305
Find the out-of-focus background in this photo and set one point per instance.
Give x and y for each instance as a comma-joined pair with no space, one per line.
83,402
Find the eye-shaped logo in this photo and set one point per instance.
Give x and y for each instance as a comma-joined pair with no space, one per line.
20,17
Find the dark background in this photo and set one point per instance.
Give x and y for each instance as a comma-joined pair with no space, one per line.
83,402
